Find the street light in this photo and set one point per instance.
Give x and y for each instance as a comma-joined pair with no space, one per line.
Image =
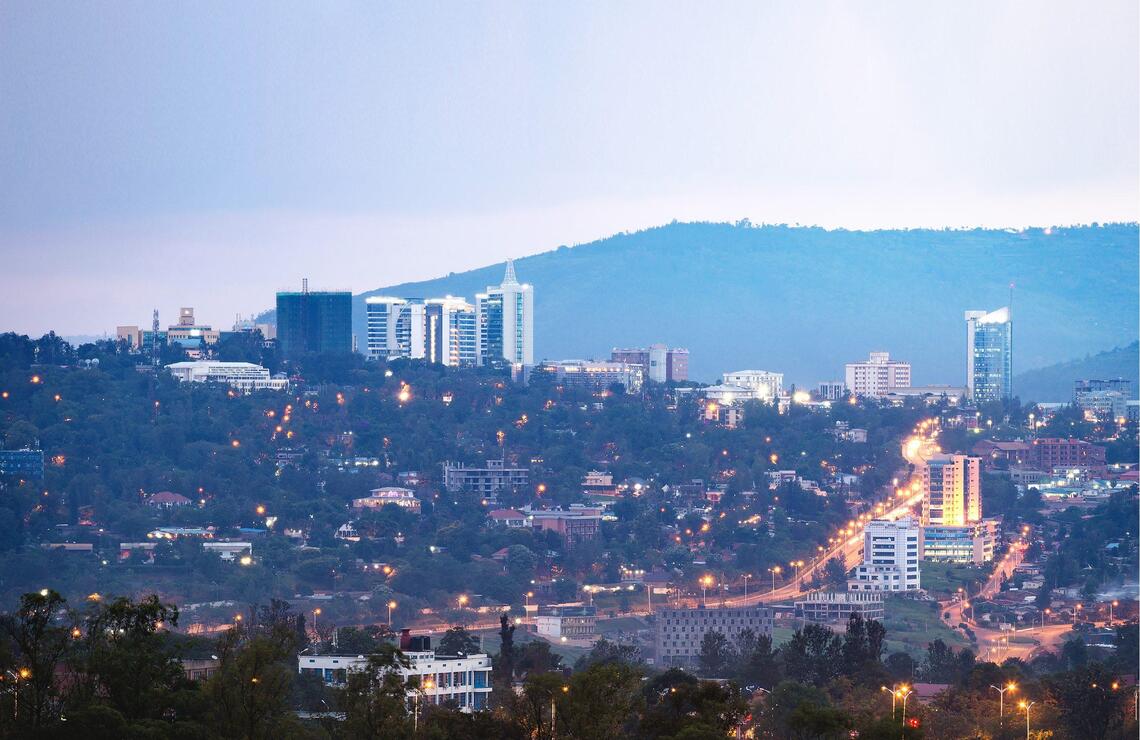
1001,700
1027,705
893,709
1111,605
905,692
316,613
391,606
774,571
427,686
706,581
1076,612
565,690
746,576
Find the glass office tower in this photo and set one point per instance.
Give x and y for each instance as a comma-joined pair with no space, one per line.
989,355
314,322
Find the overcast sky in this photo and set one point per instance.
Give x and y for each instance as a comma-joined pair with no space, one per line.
208,154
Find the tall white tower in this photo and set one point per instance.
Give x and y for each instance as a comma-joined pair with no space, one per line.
505,321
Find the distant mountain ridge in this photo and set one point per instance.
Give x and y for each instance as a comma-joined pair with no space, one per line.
1055,383
806,300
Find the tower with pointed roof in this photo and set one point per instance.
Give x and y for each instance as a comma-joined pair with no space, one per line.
505,322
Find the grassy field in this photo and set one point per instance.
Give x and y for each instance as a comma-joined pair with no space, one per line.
912,625
942,579
491,644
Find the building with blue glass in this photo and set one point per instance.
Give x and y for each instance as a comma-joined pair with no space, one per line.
314,322
989,355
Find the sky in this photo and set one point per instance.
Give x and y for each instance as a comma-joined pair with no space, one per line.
208,154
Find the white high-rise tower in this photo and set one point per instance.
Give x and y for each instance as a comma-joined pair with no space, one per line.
505,321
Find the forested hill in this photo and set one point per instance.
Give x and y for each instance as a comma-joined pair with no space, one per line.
806,300
1055,383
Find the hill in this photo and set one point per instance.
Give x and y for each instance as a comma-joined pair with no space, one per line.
1055,383
805,300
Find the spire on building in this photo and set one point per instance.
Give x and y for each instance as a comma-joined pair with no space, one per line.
509,278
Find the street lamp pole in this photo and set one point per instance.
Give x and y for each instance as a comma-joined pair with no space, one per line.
1027,706
1001,700
906,694
746,576
391,606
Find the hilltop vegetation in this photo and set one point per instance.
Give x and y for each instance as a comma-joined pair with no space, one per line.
1055,383
806,300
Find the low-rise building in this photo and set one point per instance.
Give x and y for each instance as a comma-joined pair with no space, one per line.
593,375
872,378
662,364
486,481
508,518
228,550
1011,453
831,390
462,680
761,385
166,500
573,524
570,621
1055,453
25,463
679,632
405,498
243,376
969,543
833,607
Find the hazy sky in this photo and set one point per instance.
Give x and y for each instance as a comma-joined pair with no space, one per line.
208,154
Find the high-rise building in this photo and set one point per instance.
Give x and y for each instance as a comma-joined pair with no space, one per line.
662,364
505,320
314,322
951,490
762,385
873,377
989,355
450,332
891,551
395,328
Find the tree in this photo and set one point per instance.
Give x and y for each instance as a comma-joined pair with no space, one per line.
813,655
605,651
600,701
458,641
835,573
757,663
716,653
1074,654
250,691
1087,702
537,657
375,699
40,643
125,660
677,705
504,672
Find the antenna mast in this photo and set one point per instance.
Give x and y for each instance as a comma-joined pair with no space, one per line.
154,352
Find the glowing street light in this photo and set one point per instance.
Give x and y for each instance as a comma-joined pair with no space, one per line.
706,581
904,692
1027,705
775,571
1001,700
391,606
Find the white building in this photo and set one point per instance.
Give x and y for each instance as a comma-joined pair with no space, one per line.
836,607
395,328
593,375
875,376
405,498
761,384
244,376
451,334
569,621
891,553
680,631
464,680
831,390
505,322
